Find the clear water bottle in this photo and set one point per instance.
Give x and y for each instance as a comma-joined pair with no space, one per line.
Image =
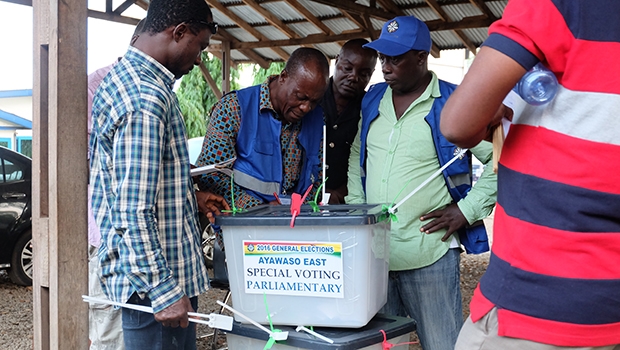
538,86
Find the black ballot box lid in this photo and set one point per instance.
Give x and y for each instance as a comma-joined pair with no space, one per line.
344,338
328,215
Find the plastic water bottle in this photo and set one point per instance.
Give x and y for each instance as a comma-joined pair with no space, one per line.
538,86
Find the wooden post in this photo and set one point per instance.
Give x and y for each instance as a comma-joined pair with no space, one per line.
60,175
225,67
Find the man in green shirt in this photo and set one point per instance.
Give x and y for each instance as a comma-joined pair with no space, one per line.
396,146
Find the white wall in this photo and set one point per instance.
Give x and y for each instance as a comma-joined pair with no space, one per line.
20,106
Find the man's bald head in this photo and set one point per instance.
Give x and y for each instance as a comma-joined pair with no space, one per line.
301,84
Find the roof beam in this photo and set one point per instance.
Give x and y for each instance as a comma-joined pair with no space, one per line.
368,25
433,4
248,53
309,16
364,33
210,81
309,40
20,2
390,6
286,21
271,18
466,41
349,6
484,8
143,4
246,26
360,22
435,50
466,23
112,17
124,6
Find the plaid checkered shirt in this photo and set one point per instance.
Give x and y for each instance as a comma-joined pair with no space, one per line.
143,198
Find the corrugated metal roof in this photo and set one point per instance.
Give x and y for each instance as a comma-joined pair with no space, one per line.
305,28
459,11
248,14
497,7
319,10
339,25
269,54
446,39
283,11
331,50
477,35
423,13
241,34
272,33
347,20
222,19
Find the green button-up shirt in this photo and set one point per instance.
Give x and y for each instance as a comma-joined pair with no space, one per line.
401,155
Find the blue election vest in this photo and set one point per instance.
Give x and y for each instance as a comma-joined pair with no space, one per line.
457,176
258,168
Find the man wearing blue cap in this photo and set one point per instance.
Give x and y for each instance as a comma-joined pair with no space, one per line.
398,147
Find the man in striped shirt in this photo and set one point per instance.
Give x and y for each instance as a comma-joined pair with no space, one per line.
143,198
553,279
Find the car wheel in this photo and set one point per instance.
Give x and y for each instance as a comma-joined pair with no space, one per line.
207,240
22,261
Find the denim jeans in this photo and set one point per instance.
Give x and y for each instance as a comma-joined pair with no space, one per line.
142,332
432,297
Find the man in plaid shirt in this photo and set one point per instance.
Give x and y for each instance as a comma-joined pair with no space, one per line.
143,198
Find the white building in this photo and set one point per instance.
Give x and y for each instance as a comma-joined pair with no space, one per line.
16,120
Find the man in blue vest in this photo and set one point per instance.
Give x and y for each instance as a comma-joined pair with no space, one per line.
274,131
397,148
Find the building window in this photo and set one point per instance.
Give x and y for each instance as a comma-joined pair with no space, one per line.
24,145
6,142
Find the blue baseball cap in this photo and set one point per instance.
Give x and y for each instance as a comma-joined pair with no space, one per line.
400,35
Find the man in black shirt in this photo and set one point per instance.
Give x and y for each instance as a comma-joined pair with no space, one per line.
341,108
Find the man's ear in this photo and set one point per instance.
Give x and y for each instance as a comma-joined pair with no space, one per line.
283,76
179,31
422,57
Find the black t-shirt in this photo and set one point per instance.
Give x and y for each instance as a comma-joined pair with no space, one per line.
341,131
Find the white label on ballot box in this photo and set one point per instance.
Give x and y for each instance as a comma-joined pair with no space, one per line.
293,268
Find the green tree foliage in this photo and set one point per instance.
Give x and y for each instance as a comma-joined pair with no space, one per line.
196,97
261,74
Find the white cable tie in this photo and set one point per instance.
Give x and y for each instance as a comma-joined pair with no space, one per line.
309,331
275,335
214,320
392,210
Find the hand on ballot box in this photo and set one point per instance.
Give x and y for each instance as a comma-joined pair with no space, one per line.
211,204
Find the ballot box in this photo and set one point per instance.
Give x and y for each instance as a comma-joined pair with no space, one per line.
397,331
330,269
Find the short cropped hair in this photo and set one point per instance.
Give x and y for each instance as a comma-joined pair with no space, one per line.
304,55
163,14
355,43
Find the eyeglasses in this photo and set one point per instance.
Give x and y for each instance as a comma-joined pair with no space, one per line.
211,25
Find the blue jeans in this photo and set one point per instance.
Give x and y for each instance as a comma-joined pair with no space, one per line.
432,297
142,332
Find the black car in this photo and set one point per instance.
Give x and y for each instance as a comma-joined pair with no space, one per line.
16,216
